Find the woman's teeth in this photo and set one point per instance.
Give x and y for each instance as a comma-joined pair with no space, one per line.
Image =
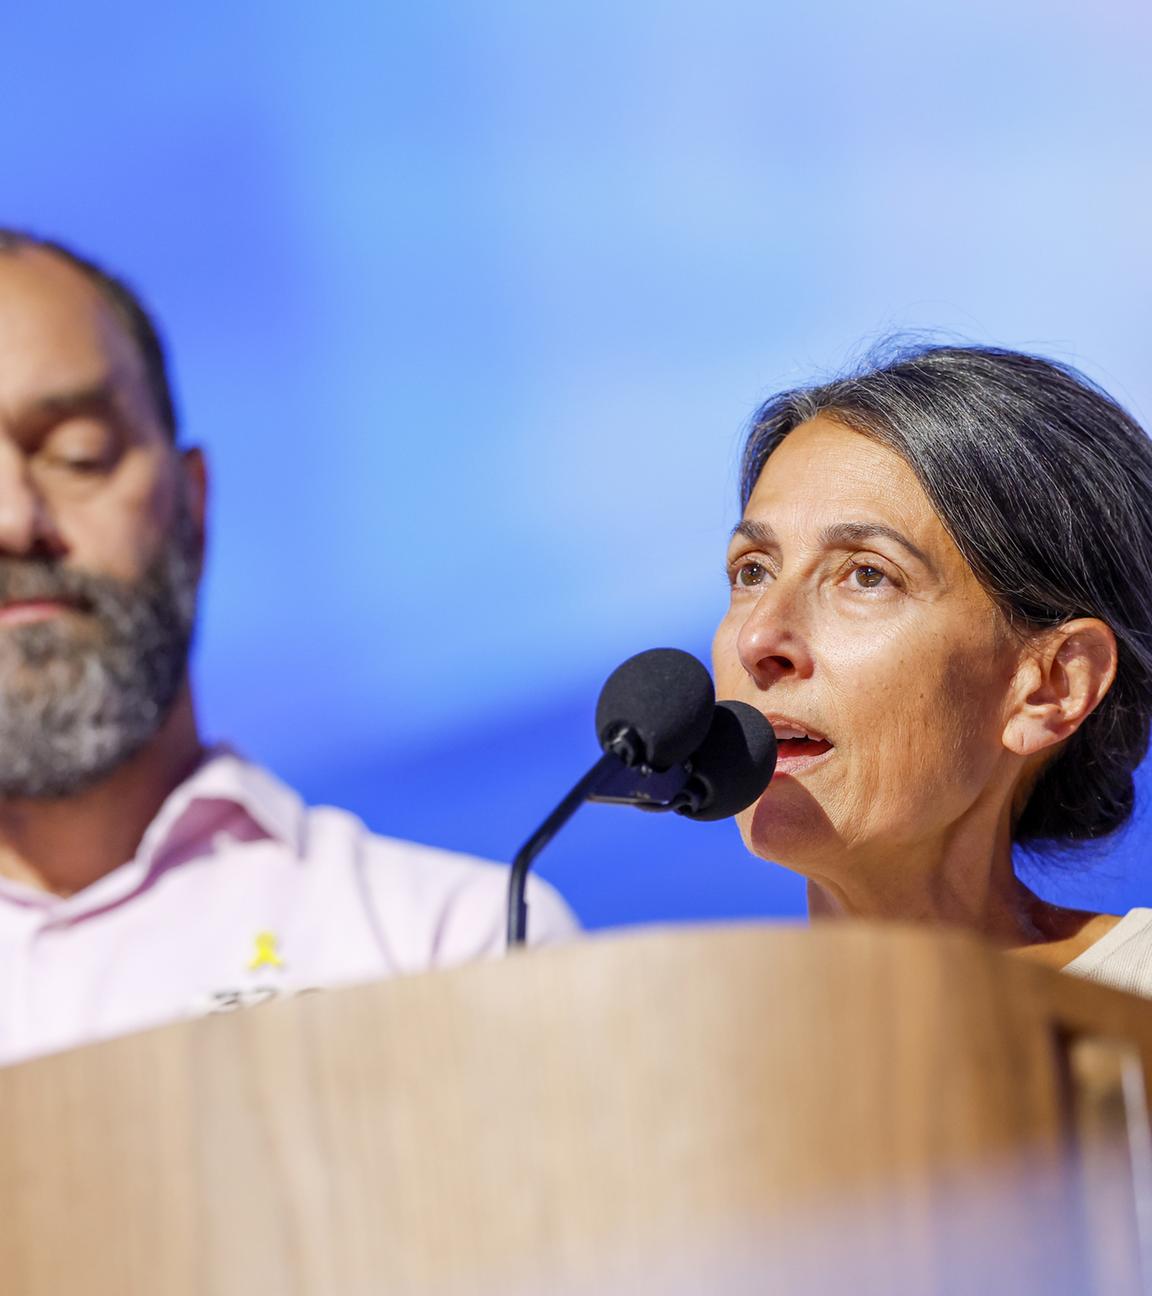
796,747
797,753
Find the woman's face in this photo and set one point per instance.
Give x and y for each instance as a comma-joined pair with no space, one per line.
854,619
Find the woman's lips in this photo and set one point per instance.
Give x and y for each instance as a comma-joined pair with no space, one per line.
796,754
799,744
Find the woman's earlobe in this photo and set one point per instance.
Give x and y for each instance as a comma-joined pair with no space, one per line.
1024,730
1026,733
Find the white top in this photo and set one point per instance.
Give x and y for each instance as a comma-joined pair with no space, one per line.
1122,958
240,893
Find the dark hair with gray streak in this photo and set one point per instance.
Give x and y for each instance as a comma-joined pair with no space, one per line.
1045,485
129,309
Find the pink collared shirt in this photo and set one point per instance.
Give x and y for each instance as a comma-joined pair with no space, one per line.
240,893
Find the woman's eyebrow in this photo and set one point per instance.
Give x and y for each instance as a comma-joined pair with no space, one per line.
837,535
757,532
840,534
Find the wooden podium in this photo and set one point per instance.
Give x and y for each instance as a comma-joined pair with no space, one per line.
844,1108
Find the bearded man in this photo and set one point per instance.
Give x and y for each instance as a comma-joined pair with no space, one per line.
143,876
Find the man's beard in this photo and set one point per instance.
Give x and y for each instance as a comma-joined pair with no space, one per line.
83,691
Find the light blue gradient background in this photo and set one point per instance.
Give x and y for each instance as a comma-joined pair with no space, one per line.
469,303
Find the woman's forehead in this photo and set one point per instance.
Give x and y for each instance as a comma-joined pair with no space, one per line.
825,473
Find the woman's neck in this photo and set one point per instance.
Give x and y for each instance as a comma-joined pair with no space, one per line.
961,876
970,883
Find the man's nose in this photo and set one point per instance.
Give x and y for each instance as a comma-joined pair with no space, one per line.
773,642
27,527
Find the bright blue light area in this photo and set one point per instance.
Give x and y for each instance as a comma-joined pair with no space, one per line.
469,302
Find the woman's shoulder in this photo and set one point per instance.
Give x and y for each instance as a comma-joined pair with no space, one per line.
1118,952
1057,935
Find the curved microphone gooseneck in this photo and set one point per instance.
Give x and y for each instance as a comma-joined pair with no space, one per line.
526,855
668,745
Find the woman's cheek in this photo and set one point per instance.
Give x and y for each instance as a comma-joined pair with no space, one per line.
726,666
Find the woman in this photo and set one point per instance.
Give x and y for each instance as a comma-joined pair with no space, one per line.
942,599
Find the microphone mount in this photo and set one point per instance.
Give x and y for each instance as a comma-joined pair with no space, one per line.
611,781
667,745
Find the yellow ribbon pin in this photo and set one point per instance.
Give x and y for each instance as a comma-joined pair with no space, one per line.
266,954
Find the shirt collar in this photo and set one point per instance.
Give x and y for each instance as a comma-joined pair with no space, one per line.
224,775
177,833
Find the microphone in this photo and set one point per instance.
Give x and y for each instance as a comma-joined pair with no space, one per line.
732,767
726,773
667,745
655,709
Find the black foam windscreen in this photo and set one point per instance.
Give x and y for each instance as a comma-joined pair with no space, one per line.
655,708
733,765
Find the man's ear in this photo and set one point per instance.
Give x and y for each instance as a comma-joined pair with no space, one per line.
194,481
1059,684
195,474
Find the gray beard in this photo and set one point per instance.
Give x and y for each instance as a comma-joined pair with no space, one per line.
83,692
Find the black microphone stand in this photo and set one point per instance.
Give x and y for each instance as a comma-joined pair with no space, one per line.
612,781
517,908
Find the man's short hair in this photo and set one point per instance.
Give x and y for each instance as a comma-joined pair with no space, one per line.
129,309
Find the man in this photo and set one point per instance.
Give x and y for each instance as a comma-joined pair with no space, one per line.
143,877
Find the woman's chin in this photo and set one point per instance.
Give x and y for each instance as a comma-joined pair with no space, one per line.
787,825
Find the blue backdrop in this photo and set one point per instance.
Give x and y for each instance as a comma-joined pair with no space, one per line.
469,302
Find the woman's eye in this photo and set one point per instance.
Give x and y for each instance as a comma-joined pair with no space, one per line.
868,577
750,574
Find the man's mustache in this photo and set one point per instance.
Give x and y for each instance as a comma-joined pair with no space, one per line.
34,580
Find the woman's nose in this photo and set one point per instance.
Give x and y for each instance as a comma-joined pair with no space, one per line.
773,642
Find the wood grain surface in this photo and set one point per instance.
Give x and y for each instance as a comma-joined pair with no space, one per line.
857,1108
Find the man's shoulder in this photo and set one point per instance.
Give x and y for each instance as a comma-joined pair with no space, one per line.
427,896
466,892
330,829
315,832
331,824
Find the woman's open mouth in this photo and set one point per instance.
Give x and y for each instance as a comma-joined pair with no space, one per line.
797,747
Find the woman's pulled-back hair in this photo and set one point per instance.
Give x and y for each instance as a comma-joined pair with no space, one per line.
1045,485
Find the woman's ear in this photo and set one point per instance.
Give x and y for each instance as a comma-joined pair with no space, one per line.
1059,684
